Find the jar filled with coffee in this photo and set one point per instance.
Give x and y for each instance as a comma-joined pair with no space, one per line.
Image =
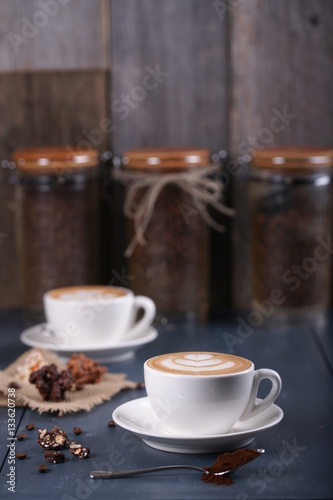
291,227
167,197
57,207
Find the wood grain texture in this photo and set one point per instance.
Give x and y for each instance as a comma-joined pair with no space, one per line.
54,34
53,108
187,41
280,63
46,108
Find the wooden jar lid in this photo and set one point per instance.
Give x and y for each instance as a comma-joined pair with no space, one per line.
50,160
296,158
166,157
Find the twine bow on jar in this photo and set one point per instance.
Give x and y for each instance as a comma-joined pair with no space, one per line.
205,192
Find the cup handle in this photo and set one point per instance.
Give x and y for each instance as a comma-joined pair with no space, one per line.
149,308
254,406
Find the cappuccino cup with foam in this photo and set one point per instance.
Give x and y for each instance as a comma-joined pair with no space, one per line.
91,315
204,393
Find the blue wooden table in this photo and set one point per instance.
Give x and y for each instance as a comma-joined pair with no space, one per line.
298,463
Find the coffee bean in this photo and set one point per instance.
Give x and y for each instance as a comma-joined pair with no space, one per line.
21,437
77,430
112,423
21,455
30,427
42,468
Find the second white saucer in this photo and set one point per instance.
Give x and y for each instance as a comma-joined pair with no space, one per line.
38,336
137,416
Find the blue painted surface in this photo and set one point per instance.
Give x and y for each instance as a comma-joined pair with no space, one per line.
298,463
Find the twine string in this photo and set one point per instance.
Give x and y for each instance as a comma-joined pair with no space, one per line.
205,192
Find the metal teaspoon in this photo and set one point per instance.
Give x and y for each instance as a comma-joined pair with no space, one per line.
99,474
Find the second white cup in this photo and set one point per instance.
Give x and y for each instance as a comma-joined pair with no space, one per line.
86,316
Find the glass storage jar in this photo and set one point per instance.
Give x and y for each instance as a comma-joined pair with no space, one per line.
57,207
171,265
291,227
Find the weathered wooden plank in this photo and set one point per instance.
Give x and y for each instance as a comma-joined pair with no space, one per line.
54,34
45,108
281,64
69,107
53,108
169,76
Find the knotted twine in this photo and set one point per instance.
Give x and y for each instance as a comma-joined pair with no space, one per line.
205,192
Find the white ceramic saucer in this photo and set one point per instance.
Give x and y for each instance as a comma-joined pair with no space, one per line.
41,336
136,416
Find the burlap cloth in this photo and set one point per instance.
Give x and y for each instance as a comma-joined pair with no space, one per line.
91,395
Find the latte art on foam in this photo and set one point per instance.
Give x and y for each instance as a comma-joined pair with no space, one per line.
199,363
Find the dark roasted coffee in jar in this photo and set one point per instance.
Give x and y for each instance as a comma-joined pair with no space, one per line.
167,235
291,224
57,200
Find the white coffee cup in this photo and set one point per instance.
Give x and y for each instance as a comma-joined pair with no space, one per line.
87,316
205,393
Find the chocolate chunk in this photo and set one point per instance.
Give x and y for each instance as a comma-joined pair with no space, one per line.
56,457
77,430
21,437
21,455
51,384
78,450
56,438
42,468
30,427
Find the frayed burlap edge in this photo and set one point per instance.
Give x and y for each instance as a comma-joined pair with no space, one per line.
84,400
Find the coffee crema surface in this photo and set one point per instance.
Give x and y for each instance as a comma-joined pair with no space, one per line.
87,292
199,363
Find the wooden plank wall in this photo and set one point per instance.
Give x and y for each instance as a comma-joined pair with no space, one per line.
61,34
225,66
